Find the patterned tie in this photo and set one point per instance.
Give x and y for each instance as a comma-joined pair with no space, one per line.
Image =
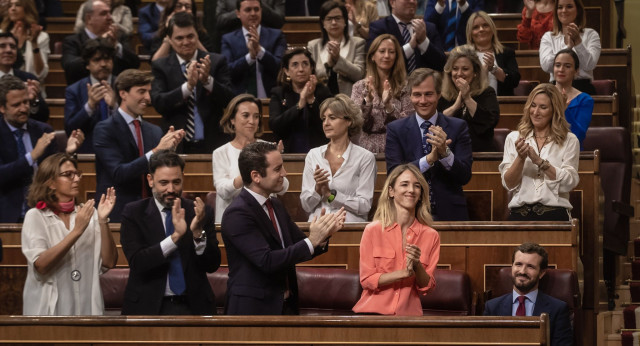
176,275
190,129
452,26
272,216
136,123
406,37
104,110
521,311
426,149
22,151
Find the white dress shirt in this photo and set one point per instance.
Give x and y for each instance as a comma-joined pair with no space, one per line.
588,52
408,51
261,92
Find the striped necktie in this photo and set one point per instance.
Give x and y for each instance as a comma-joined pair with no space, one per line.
190,129
406,37
452,26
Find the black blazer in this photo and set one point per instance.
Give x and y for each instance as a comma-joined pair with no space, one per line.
259,268
166,96
141,232
15,172
433,58
75,67
507,62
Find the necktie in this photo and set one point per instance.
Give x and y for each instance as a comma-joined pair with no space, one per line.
406,37
22,151
272,216
252,82
136,123
452,26
426,149
190,129
104,110
521,311
176,276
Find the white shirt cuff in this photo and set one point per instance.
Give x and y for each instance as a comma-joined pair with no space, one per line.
309,245
447,162
88,109
168,246
424,165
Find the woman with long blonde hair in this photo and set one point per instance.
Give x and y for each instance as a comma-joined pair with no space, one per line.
399,250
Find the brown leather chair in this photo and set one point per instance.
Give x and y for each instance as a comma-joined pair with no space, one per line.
604,86
499,137
328,291
525,87
452,295
113,284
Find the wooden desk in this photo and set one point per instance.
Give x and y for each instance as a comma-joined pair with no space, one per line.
290,330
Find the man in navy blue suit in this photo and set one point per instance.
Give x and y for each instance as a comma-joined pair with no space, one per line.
439,145
420,41
253,51
92,98
125,142
450,16
148,19
529,264
24,143
263,244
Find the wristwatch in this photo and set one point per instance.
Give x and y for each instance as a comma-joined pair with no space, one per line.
332,196
201,238
447,153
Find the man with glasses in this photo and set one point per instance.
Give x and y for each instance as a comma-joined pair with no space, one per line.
253,51
24,143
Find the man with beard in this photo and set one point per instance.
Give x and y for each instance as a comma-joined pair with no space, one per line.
124,143
170,244
529,266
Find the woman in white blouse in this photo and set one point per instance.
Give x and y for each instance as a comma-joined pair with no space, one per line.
22,21
569,32
242,118
339,174
540,162
67,246
339,57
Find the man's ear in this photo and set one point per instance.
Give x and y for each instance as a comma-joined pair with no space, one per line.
255,177
150,179
542,273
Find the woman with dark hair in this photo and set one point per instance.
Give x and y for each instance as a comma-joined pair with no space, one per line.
21,20
382,95
340,174
466,94
120,13
160,46
293,109
498,61
243,119
540,161
579,105
569,31
67,246
339,58
537,19
399,250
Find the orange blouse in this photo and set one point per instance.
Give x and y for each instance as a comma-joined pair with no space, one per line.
381,252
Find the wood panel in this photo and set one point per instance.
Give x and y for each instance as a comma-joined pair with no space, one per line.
290,330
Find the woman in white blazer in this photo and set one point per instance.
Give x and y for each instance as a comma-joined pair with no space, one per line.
339,58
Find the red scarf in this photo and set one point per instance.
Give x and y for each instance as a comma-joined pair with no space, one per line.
63,207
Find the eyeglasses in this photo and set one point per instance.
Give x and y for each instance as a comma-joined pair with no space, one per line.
337,19
185,6
71,174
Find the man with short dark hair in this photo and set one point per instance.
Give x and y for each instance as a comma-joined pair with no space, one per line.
24,143
529,264
124,143
227,20
253,51
263,244
191,88
171,245
92,98
97,23
38,108
420,40
439,145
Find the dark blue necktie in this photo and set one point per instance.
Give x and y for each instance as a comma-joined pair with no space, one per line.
22,151
104,110
176,276
426,149
406,37
452,25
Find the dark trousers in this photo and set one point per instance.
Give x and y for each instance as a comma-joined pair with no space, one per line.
175,305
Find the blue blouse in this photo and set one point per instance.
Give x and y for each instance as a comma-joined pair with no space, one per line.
578,114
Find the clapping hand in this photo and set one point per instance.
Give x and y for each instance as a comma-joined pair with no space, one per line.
463,86
204,67
572,35
107,201
488,60
74,141
323,227
413,256
321,176
83,217
198,220
333,48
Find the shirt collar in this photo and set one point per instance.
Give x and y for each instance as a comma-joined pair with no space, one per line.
159,205
13,128
432,120
259,198
160,8
89,33
193,58
398,21
413,228
532,296
245,31
2,74
127,117
93,80
345,155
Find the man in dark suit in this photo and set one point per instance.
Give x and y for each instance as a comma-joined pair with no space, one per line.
227,20
97,23
8,55
170,244
263,244
253,51
148,21
124,143
420,41
92,98
24,143
529,266
450,17
191,88
439,145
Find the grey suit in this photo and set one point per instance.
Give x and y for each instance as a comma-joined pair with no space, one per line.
350,67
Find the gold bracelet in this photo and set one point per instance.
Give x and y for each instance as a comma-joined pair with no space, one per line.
104,222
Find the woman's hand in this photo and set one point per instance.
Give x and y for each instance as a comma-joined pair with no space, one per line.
106,205
20,32
368,90
333,48
83,217
413,256
572,35
488,60
35,32
522,148
280,147
463,87
530,5
313,81
386,93
321,177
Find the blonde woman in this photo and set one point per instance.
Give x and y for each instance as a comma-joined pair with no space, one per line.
399,250
361,13
540,161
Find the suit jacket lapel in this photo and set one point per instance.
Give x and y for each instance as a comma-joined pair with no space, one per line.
155,221
506,305
124,128
392,25
267,227
414,137
540,305
10,140
280,215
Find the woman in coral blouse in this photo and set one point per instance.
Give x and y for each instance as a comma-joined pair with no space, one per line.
399,251
537,19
